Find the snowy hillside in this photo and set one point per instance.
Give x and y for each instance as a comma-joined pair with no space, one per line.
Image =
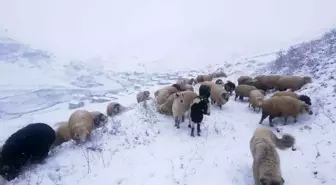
142,147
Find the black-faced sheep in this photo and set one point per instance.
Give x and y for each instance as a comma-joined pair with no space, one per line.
204,78
243,90
303,98
30,143
256,99
283,106
114,108
292,82
143,96
162,94
218,95
266,160
80,125
181,103
243,79
229,86
219,82
200,106
62,133
268,81
99,119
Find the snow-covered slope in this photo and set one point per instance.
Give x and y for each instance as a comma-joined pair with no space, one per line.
142,147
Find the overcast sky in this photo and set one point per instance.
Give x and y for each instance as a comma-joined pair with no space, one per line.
179,30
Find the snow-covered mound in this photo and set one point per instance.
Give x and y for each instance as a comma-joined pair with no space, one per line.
141,146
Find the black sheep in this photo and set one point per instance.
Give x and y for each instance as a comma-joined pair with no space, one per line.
29,144
199,107
204,91
229,86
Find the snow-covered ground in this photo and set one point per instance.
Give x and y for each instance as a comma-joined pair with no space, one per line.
142,147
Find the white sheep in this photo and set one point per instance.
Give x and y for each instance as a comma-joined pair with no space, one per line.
181,103
80,125
256,98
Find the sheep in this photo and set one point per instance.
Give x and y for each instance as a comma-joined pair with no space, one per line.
190,81
292,82
219,82
114,108
283,106
204,78
99,119
199,106
186,87
166,107
218,95
204,90
161,95
266,160
243,91
143,96
242,79
256,98
269,81
219,74
181,103
80,125
62,133
30,143
259,85
229,86
303,98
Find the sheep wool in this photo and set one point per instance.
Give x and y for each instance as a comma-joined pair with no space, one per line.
266,160
80,125
218,95
303,98
181,103
292,82
242,79
163,94
62,133
29,144
243,91
256,99
99,119
269,81
204,78
143,96
114,108
166,107
283,106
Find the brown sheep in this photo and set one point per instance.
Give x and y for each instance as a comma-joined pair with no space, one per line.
283,106
204,78
303,98
219,74
218,94
143,96
256,99
161,95
243,91
190,81
266,160
292,82
62,133
114,108
166,107
270,81
243,79
80,125
99,119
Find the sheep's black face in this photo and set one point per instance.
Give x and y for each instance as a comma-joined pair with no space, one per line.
116,108
305,99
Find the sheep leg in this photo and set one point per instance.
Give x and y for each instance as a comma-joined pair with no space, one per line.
263,116
199,129
236,96
286,118
270,120
220,106
177,122
192,129
241,98
295,120
183,118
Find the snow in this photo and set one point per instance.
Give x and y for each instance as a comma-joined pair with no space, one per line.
124,52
